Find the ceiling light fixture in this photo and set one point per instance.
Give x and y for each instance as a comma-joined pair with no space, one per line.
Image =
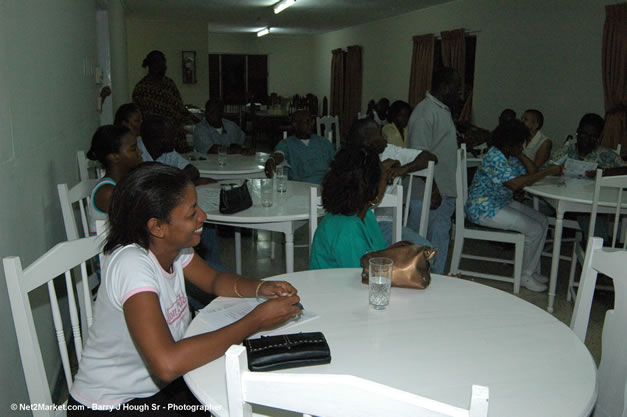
282,5
263,32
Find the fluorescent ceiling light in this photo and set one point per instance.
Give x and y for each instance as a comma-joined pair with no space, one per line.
282,5
263,32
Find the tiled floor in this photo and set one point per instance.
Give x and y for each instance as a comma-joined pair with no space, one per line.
256,251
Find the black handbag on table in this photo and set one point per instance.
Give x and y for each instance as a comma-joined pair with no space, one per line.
269,353
234,199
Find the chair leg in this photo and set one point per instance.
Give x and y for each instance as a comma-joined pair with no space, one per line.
571,276
457,250
519,248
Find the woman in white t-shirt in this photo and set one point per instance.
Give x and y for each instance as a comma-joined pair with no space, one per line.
135,354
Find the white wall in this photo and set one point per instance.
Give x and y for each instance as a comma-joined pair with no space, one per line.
47,112
172,38
530,54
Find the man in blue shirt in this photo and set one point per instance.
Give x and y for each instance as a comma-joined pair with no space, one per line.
307,155
214,131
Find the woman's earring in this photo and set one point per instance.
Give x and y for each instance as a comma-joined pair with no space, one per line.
372,203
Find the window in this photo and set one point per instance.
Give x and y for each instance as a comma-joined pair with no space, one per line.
238,78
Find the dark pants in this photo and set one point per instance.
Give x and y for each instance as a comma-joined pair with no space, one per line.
175,400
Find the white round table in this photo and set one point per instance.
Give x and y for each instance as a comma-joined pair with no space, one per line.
289,211
569,195
237,166
435,343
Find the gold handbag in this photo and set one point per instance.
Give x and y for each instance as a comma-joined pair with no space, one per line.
411,264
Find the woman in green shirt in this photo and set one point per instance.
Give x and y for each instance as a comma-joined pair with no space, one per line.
354,185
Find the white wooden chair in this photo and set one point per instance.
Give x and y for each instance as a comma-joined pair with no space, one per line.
612,374
393,200
329,127
465,231
87,168
617,184
58,262
427,174
331,395
68,198
79,195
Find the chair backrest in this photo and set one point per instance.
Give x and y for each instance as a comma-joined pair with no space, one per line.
58,262
315,203
612,374
617,184
87,168
427,173
331,131
394,199
331,395
461,183
79,195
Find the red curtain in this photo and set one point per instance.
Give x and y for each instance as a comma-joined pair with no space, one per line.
352,89
454,56
615,75
421,68
337,82
454,51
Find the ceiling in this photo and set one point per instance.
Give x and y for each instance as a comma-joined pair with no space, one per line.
305,17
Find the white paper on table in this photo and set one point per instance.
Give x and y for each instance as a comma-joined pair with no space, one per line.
299,201
208,198
218,316
576,169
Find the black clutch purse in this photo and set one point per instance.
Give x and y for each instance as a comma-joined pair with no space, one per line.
269,353
234,199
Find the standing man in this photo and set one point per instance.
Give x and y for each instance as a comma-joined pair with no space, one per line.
431,128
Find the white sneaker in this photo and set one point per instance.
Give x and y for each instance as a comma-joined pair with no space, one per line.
540,278
531,284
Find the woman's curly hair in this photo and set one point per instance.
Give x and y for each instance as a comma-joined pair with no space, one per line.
352,180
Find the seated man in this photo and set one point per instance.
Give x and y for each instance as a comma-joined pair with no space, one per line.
538,146
214,131
157,144
397,162
307,155
588,148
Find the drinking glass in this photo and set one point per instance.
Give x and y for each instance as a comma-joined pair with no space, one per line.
221,155
266,192
380,282
281,179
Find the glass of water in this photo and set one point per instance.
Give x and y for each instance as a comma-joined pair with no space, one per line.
221,155
380,282
281,179
266,192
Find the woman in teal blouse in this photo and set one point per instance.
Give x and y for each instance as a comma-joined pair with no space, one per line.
354,185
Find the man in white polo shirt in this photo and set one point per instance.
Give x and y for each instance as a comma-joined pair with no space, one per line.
431,128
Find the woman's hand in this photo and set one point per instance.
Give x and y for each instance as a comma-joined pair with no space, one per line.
556,170
275,289
274,312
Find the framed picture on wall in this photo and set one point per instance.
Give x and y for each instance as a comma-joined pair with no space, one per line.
189,67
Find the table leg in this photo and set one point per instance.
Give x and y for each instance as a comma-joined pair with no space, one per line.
238,251
555,260
289,252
